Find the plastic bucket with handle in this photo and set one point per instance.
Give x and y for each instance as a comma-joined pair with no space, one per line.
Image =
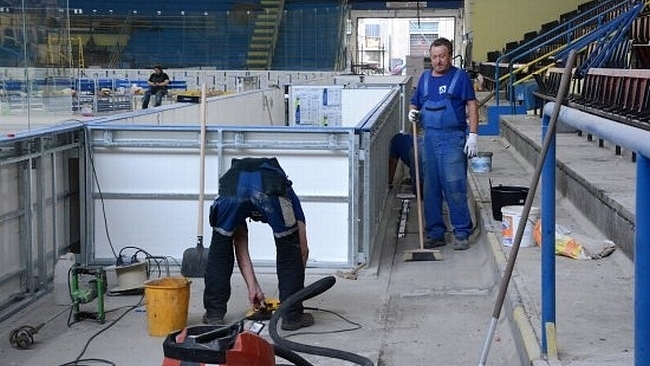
168,301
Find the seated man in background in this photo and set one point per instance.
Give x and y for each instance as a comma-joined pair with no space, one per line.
158,83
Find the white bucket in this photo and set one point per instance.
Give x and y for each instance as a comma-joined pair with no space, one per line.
510,223
482,162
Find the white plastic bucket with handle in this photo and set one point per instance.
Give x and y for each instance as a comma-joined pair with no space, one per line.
482,162
510,222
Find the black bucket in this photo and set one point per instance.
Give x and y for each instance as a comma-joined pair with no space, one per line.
506,196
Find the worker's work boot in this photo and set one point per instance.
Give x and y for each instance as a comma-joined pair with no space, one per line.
210,320
460,244
303,321
430,243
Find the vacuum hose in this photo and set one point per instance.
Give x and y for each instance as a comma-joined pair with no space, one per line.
290,356
306,293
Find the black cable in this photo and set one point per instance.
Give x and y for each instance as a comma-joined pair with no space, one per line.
101,199
85,348
175,261
138,250
85,361
357,326
157,260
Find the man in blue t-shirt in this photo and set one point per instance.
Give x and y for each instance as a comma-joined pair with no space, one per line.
444,104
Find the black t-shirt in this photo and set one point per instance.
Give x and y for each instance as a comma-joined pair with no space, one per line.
158,78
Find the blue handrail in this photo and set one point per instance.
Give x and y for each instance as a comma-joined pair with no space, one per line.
564,30
604,49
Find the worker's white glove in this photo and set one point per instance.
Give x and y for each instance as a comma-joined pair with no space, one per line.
414,115
471,145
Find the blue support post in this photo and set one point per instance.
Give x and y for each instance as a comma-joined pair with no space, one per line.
548,233
633,139
642,263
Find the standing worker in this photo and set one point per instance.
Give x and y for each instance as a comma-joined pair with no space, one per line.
255,188
158,83
445,105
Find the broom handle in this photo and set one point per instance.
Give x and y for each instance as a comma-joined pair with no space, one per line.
418,197
202,118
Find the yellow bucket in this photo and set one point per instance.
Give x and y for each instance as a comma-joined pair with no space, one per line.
168,300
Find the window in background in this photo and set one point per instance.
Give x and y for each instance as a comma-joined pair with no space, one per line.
421,34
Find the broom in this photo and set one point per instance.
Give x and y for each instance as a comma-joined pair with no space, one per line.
420,254
195,259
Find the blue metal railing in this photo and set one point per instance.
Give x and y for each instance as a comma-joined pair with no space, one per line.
632,139
609,44
563,33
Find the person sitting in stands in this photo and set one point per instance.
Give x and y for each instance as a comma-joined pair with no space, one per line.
158,83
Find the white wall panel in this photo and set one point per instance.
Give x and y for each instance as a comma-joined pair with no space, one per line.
168,227
161,227
327,234
357,103
313,172
159,171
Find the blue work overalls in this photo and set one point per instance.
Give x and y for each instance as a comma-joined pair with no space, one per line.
445,165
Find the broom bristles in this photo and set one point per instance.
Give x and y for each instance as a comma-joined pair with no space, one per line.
420,255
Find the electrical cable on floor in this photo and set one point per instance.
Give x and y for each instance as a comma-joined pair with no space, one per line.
85,348
88,361
357,326
118,258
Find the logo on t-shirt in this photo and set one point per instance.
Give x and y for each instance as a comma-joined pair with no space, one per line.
442,89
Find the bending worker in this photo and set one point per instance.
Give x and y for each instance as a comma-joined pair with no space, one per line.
255,188
443,103
401,149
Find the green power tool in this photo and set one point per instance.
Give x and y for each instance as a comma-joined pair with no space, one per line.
82,292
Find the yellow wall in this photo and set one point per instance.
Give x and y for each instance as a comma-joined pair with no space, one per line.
497,22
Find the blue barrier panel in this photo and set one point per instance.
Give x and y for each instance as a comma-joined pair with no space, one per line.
494,114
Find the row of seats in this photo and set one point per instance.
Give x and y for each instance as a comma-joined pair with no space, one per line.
625,93
547,40
88,85
20,85
621,93
226,48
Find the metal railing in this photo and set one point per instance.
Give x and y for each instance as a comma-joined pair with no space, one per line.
563,38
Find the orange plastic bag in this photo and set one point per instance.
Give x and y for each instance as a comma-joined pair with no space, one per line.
565,245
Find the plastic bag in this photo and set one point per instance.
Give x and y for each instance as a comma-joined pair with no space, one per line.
568,246
87,110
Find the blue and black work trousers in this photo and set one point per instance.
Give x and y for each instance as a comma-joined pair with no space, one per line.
251,194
